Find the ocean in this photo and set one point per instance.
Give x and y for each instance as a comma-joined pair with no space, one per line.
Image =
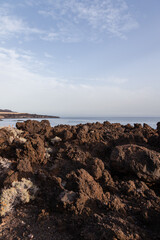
151,121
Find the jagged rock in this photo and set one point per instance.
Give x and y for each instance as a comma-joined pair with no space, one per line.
67,135
95,181
33,126
4,137
86,187
136,160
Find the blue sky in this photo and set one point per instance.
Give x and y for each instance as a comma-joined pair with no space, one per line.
80,57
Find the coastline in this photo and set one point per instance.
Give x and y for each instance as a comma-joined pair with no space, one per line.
151,121
16,115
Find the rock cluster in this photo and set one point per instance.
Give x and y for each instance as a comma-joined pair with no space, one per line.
95,181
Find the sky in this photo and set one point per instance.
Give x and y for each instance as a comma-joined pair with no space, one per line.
80,57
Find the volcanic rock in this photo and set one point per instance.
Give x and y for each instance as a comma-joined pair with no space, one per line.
95,181
33,127
137,160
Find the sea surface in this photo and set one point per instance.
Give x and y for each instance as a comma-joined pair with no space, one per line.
152,121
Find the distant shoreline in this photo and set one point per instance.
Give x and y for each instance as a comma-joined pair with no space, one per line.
10,114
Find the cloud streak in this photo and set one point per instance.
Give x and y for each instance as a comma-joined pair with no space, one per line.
13,26
72,20
100,16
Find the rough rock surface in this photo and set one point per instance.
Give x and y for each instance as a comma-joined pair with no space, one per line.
137,160
95,181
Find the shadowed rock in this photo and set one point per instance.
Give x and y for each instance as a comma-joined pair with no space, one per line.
137,160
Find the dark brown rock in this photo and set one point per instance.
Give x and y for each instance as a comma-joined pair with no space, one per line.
67,135
5,137
107,182
137,160
12,176
95,167
86,187
24,165
33,126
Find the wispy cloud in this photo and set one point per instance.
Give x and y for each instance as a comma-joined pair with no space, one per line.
72,20
13,26
22,67
101,16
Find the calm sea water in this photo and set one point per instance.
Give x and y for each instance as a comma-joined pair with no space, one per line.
152,121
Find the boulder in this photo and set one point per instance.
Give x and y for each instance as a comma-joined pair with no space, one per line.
140,161
86,187
33,126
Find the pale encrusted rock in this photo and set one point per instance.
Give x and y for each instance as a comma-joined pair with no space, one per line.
55,140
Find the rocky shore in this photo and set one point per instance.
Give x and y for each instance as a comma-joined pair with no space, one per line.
92,182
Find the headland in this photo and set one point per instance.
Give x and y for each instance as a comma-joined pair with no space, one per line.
10,114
